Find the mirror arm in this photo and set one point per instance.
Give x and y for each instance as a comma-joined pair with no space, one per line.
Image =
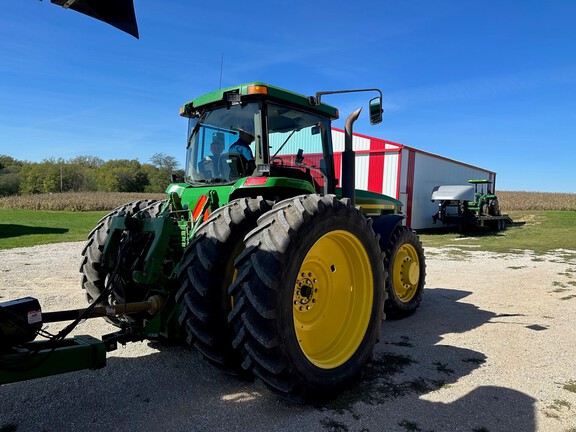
316,100
375,109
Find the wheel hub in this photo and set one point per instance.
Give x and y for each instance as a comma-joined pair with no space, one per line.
406,272
410,272
305,292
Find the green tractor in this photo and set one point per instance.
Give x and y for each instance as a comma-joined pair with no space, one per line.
260,258
469,206
485,202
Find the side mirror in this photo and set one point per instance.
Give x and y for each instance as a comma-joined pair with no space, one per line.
376,110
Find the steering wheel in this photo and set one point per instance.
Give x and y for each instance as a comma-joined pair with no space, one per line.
277,161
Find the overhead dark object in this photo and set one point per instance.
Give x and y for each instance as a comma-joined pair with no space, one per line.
118,13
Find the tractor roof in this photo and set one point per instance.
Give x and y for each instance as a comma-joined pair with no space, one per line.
262,90
479,181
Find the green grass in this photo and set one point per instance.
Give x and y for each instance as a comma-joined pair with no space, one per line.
540,232
570,386
22,228
558,404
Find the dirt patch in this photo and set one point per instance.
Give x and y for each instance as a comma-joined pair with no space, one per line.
492,348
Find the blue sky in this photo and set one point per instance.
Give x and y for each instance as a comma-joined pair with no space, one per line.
489,83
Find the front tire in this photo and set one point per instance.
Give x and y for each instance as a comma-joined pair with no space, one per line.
406,273
308,298
494,207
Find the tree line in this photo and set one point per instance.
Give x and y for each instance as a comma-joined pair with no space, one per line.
86,174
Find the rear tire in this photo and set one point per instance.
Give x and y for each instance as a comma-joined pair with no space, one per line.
406,273
205,275
308,298
93,273
494,207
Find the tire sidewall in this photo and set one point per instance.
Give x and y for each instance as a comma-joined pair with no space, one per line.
204,277
406,236
94,275
306,236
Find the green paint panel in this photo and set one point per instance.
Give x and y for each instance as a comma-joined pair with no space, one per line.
81,352
190,195
367,197
272,182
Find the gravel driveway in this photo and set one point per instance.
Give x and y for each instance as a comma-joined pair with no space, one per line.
492,348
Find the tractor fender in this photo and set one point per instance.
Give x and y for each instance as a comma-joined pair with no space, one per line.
384,226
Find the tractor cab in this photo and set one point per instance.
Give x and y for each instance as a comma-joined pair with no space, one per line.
483,197
481,186
253,132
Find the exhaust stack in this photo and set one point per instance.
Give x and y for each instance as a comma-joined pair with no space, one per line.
349,159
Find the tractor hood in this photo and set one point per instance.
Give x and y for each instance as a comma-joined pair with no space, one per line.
117,13
453,192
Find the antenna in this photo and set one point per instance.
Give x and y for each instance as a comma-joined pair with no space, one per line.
221,67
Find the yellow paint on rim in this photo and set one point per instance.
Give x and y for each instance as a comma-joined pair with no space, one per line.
333,298
406,272
378,206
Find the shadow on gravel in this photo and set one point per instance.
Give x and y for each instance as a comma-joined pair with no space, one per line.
411,362
174,390
13,230
168,390
471,231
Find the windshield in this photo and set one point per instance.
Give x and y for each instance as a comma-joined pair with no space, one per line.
221,144
298,144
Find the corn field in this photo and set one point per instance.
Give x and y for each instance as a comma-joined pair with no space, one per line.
518,200
74,201
103,201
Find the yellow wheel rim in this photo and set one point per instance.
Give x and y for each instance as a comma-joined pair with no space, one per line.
333,298
406,272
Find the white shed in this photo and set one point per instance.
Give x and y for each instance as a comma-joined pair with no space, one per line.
405,173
